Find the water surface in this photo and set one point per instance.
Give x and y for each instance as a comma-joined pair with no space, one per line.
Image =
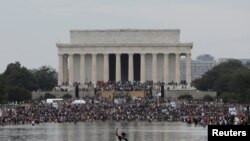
104,131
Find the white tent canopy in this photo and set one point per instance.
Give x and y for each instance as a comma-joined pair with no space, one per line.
159,94
79,101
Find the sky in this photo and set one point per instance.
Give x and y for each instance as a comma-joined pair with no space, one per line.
30,29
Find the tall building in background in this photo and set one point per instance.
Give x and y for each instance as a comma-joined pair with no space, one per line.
200,66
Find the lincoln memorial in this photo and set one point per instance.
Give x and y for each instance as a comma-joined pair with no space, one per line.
123,55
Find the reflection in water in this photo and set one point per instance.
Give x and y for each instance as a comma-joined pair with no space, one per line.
104,131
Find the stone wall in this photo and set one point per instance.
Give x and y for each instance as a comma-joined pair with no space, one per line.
125,36
172,94
195,94
59,94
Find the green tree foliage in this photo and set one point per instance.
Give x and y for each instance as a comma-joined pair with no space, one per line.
2,93
231,80
16,82
18,94
248,64
46,78
229,97
3,96
208,98
15,75
240,84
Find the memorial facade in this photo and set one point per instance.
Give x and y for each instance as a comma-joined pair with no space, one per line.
123,55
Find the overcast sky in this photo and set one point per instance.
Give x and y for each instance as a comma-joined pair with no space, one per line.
30,29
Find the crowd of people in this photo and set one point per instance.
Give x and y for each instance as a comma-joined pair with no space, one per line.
106,86
144,109
65,87
122,86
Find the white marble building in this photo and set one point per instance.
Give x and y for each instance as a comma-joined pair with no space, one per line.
123,54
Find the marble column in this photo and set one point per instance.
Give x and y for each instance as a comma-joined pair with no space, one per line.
166,68
142,67
154,67
60,69
177,68
118,68
94,68
131,67
106,67
188,68
65,69
82,68
71,69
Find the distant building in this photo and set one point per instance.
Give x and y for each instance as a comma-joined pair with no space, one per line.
200,66
244,61
205,57
123,55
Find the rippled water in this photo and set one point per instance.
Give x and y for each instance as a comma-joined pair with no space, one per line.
104,131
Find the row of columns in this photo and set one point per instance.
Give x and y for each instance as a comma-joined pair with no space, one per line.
63,68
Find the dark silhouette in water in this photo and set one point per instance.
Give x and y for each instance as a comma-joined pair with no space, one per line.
121,136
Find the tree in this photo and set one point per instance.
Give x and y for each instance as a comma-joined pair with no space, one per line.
229,97
2,93
231,80
240,84
45,77
16,75
16,82
222,83
3,96
248,64
208,98
218,78
17,94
